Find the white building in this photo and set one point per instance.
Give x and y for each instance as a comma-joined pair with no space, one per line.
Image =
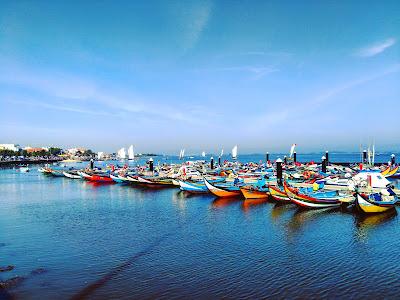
12,147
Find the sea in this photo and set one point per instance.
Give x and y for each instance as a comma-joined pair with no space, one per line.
72,239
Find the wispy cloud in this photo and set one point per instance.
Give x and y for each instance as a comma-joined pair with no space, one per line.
256,72
376,49
330,93
192,18
56,90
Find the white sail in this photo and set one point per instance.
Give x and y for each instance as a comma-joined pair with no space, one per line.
234,152
222,152
203,154
121,154
182,153
100,155
373,154
292,150
369,156
131,154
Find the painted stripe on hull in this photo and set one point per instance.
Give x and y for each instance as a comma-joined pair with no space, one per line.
219,192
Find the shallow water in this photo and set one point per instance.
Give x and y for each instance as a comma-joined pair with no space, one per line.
115,241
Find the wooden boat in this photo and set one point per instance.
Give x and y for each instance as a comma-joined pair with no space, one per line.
386,171
376,203
117,179
56,173
193,187
308,201
278,194
155,181
222,192
102,178
392,172
252,192
72,174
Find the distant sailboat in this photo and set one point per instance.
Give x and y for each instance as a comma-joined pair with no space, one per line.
292,150
121,154
131,154
203,154
182,154
222,152
100,155
234,152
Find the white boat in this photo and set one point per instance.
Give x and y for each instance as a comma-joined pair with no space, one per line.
121,154
131,154
203,154
71,175
234,152
24,169
182,154
100,155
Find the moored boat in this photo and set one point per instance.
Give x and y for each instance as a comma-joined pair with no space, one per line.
376,202
222,192
252,192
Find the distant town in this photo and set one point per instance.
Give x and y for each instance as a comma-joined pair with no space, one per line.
17,153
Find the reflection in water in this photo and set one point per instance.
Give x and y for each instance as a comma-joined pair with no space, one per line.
365,223
302,217
279,209
223,202
248,203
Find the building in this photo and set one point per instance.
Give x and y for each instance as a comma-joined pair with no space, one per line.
74,151
35,149
12,147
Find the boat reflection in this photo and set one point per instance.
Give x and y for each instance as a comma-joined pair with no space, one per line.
366,223
302,217
249,203
279,209
224,202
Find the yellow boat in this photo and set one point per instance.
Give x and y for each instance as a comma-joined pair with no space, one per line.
369,205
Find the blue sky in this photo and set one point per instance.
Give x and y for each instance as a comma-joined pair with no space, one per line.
200,75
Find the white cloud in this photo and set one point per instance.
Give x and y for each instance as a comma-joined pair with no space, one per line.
376,49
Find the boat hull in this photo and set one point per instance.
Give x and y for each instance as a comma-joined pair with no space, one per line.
222,192
252,193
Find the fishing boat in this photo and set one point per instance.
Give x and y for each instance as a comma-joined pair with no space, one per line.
376,202
278,194
309,201
117,179
95,177
228,191
253,192
155,181
193,187
72,174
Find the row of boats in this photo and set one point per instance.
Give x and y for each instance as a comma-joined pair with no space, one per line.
305,185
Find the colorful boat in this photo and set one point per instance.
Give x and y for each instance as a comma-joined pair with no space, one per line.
278,194
222,192
309,201
376,202
193,187
252,192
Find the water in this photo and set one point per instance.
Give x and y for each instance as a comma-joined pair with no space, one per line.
114,241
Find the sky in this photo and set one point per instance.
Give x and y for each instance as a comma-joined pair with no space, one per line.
200,75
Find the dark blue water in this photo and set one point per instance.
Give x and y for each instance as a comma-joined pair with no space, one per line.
112,241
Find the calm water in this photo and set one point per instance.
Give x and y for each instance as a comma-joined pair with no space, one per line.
113,241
